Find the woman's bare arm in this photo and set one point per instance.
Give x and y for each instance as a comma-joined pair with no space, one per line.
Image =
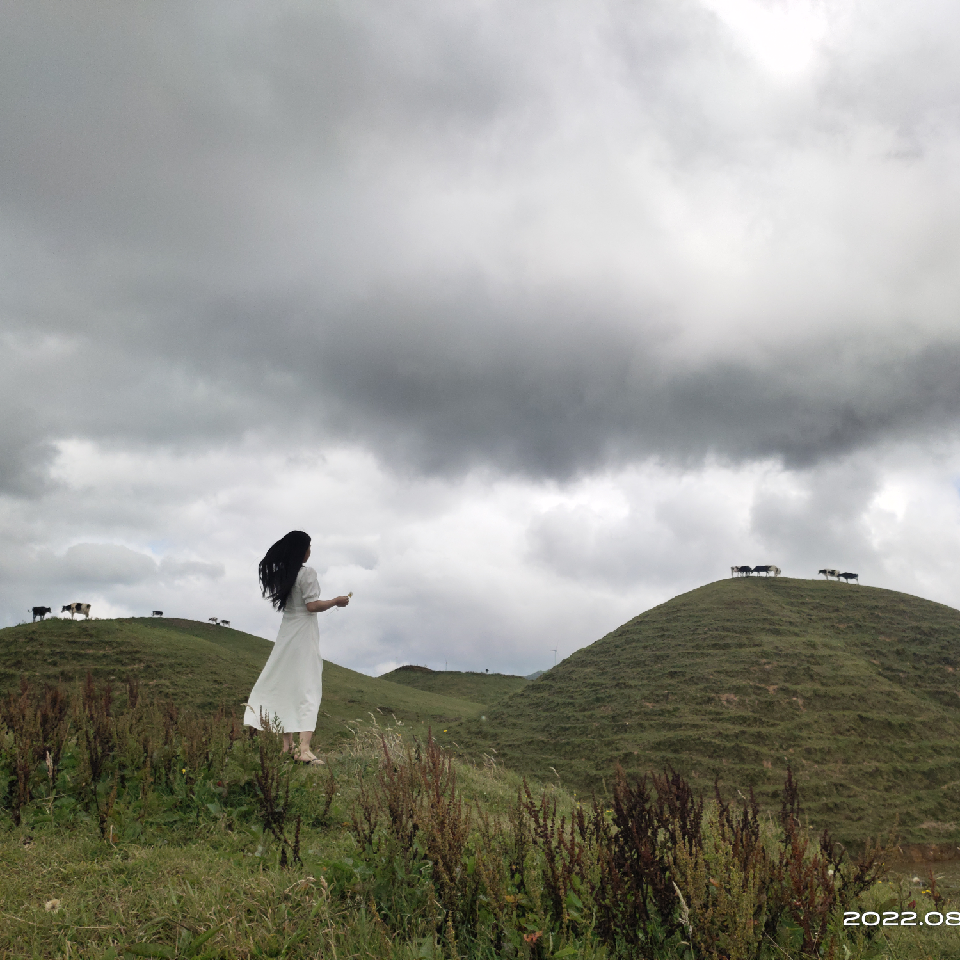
318,606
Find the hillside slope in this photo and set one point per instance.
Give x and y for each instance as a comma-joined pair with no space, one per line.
483,688
203,666
854,687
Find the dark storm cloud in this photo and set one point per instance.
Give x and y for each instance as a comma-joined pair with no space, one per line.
549,399
400,226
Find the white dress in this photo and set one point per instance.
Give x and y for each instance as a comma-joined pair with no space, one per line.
291,683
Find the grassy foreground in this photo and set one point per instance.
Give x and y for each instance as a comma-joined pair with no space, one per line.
72,895
129,828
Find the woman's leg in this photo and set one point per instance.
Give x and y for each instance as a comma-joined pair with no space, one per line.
305,736
288,742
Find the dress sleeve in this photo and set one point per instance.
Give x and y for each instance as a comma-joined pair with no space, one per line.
310,585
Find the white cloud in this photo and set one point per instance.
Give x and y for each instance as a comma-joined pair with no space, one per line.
783,35
106,563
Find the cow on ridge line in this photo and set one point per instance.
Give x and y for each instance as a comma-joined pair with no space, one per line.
74,608
40,612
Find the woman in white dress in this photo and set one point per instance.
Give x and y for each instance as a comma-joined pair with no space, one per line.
288,691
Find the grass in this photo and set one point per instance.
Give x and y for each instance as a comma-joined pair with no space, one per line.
204,666
212,844
68,894
855,688
483,688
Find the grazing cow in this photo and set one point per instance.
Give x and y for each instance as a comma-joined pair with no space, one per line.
157,613
40,612
224,623
849,576
766,571
214,619
73,608
830,573
745,571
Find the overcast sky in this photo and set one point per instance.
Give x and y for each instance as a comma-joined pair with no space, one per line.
532,314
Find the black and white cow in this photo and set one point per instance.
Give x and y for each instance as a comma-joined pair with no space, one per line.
40,612
849,576
74,608
214,619
224,623
767,570
157,613
830,573
745,571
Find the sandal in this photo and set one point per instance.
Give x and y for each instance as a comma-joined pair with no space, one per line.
311,761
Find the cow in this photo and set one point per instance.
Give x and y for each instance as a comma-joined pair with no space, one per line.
849,576
214,619
40,612
73,608
157,613
766,571
830,573
734,571
745,571
224,623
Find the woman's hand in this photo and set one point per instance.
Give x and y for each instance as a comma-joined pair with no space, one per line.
319,606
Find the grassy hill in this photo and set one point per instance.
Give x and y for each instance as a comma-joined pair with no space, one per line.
203,666
484,688
856,688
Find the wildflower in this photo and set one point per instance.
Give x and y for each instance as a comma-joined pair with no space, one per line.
533,937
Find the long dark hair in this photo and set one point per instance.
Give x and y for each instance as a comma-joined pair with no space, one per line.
279,568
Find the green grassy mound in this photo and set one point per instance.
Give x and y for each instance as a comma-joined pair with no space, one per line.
484,688
203,666
854,687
